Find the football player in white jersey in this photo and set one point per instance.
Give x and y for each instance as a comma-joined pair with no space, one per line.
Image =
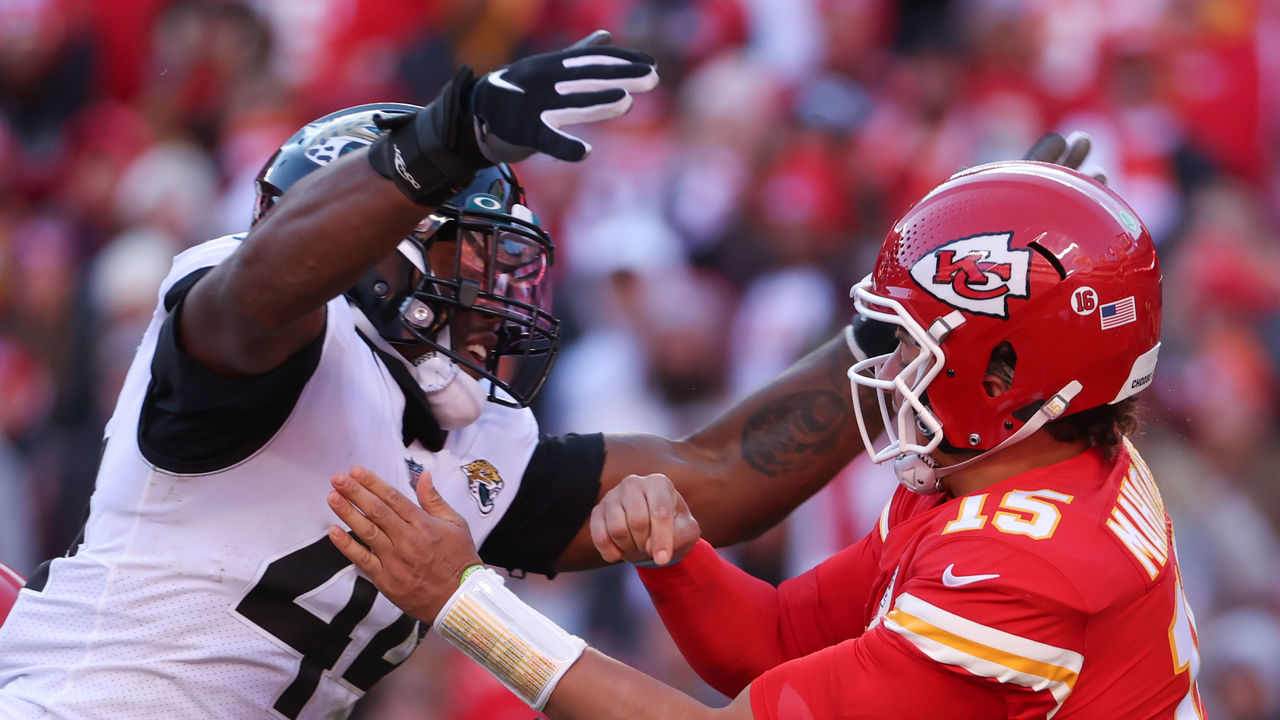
388,310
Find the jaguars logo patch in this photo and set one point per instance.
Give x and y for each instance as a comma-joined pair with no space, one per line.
484,482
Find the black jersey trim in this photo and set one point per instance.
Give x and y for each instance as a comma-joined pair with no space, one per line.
419,421
559,488
194,421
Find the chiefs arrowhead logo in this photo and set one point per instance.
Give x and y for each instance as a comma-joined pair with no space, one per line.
976,274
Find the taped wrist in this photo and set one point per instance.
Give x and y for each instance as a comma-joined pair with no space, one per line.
514,642
431,154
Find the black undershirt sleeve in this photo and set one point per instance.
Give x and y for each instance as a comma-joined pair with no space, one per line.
556,495
194,421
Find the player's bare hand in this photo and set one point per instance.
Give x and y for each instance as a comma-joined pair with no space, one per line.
414,555
643,518
1070,151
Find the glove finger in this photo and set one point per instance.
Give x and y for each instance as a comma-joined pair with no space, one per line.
598,37
607,67
644,83
1047,149
562,145
1078,146
589,106
574,56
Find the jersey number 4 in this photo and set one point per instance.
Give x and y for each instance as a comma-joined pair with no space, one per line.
272,605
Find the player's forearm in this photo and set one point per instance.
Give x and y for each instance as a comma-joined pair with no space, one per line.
747,470
598,687
753,465
319,239
266,300
725,622
533,657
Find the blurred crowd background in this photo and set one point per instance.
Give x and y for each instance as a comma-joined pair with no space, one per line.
708,242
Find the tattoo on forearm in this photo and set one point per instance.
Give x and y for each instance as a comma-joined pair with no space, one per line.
789,432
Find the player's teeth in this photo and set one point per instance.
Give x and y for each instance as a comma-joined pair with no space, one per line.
478,351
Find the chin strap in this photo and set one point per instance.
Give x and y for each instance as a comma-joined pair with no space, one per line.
456,398
922,475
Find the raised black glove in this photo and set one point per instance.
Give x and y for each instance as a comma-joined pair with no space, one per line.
508,115
431,154
520,109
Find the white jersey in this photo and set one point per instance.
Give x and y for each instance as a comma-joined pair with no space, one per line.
217,594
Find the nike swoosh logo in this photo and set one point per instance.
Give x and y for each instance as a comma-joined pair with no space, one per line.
499,79
950,579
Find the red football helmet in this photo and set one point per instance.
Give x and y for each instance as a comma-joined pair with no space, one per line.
10,583
1028,253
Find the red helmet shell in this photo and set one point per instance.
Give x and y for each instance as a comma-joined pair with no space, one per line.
10,583
1037,255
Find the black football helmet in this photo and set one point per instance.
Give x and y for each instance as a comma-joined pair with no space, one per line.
499,265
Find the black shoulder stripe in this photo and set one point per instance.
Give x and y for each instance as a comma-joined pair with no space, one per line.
556,495
182,287
195,421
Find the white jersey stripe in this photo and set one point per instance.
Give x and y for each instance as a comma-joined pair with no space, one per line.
946,654
985,651
999,639
884,520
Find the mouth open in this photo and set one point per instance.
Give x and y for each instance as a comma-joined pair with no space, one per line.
479,346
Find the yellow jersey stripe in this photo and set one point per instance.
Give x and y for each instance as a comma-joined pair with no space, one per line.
988,636
1023,666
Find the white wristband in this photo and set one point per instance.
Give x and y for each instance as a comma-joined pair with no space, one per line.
514,642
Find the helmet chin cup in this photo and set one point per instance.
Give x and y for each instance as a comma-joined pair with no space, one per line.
917,473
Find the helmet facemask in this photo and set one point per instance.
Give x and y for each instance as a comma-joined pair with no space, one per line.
476,291
500,272
900,379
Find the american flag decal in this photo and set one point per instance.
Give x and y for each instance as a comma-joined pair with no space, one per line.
1120,312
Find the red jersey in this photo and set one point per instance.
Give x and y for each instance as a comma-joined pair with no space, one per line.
1053,594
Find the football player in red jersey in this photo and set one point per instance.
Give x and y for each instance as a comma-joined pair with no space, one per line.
1024,569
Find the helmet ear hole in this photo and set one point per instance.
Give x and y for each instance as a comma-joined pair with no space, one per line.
1000,368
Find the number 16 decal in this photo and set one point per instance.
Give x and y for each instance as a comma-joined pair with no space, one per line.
1084,301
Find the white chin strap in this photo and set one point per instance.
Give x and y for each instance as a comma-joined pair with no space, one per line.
922,475
456,398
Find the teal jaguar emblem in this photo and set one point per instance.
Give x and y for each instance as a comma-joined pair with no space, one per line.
484,482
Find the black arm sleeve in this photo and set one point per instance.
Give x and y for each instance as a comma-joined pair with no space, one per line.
556,495
194,421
